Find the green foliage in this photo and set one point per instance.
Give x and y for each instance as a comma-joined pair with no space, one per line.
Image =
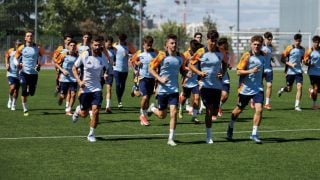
170,27
209,23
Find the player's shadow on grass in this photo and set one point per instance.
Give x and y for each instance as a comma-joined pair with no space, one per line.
285,140
129,138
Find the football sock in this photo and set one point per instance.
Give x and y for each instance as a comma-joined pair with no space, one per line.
171,134
254,130
267,100
297,103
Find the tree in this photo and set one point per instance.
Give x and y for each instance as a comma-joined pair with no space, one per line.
208,23
170,27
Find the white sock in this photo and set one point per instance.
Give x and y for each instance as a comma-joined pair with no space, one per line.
209,135
221,103
68,109
108,103
254,130
267,100
141,111
180,107
24,106
297,103
153,109
91,131
90,113
67,104
78,109
171,134
194,112
13,102
10,98
144,112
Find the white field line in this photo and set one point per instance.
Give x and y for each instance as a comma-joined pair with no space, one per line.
152,135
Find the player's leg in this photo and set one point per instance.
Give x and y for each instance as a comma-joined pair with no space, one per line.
299,81
173,101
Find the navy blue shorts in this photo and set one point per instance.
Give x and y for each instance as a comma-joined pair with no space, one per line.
268,76
28,83
294,77
243,100
314,80
89,99
167,99
187,91
226,87
14,81
108,81
65,86
146,86
211,97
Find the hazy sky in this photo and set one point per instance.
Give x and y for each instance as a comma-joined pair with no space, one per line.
253,13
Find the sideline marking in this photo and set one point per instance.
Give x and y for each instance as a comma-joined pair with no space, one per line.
153,135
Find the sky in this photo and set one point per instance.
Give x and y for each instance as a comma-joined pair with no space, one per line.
253,13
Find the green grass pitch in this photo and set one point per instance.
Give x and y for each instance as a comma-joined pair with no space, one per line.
47,145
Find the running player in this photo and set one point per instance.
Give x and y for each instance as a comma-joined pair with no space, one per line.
142,59
268,72
250,70
92,63
292,57
67,80
213,66
190,84
121,65
165,69
27,58
86,43
112,54
312,60
12,75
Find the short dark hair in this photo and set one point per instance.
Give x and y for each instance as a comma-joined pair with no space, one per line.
172,36
89,34
67,35
316,38
122,37
257,38
267,35
195,45
72,41
297,36
109,38
222,41
213,34
196,34
97,39
148,39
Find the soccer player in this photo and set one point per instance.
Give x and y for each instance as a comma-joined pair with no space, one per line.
92,64
312,60
121,65
12,75
268,72
224,47
190,84
146,83
213,66
250,70
85,45
112,54
60,49
292,57
165,69
198,36
27,58
67,80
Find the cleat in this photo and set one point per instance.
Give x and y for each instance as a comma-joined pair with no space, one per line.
252,104
220,112
229,133
310,92
280,92
297,108
13,107
68,113
256,139
209,141
149,112
171,143
25,113
9,104
214,118
180,114
91,138
108,111
120,105
144,121
267,106
195,120
75,117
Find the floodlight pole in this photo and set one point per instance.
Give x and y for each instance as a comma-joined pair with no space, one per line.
140,26
35,20
238,28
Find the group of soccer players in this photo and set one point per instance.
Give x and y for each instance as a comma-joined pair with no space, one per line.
87,66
